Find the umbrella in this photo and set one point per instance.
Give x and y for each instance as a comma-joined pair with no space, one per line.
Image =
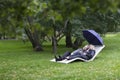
92,37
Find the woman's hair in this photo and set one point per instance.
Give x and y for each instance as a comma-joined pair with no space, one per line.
90,46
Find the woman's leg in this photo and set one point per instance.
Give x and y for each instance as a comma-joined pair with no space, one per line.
66,54
78,55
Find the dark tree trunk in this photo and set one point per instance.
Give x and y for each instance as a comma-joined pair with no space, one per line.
78,42
33,37
68,34
68,41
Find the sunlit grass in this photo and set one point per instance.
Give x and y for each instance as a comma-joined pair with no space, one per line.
19,62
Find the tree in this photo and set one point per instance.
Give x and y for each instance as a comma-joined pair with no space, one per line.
70,9
17,14
41,17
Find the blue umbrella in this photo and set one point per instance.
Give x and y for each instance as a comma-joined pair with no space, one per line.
92,37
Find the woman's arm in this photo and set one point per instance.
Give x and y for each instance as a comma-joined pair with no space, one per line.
90,53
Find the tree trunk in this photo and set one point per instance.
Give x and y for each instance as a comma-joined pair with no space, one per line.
68,41
54,44
54,41
68,34
33,36
34,40
78,42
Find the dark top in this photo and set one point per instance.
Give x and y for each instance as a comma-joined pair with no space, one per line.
90,54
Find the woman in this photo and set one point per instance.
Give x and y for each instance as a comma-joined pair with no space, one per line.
86,53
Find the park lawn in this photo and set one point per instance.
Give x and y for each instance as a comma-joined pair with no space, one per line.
19,62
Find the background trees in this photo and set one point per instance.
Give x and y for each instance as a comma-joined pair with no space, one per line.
53,19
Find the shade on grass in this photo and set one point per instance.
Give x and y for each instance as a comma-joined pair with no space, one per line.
19,62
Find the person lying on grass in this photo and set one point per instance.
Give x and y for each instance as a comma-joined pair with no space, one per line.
86,53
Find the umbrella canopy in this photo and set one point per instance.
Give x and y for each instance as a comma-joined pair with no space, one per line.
92,37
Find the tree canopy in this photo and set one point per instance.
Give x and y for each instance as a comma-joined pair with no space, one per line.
53,19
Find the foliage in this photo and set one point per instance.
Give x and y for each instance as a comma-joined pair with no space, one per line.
53,18
77,27
100,22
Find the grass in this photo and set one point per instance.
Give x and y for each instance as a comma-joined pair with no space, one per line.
19,62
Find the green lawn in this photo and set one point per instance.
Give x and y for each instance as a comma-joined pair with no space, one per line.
19,62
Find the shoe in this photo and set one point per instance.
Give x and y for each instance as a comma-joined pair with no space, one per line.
58,59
